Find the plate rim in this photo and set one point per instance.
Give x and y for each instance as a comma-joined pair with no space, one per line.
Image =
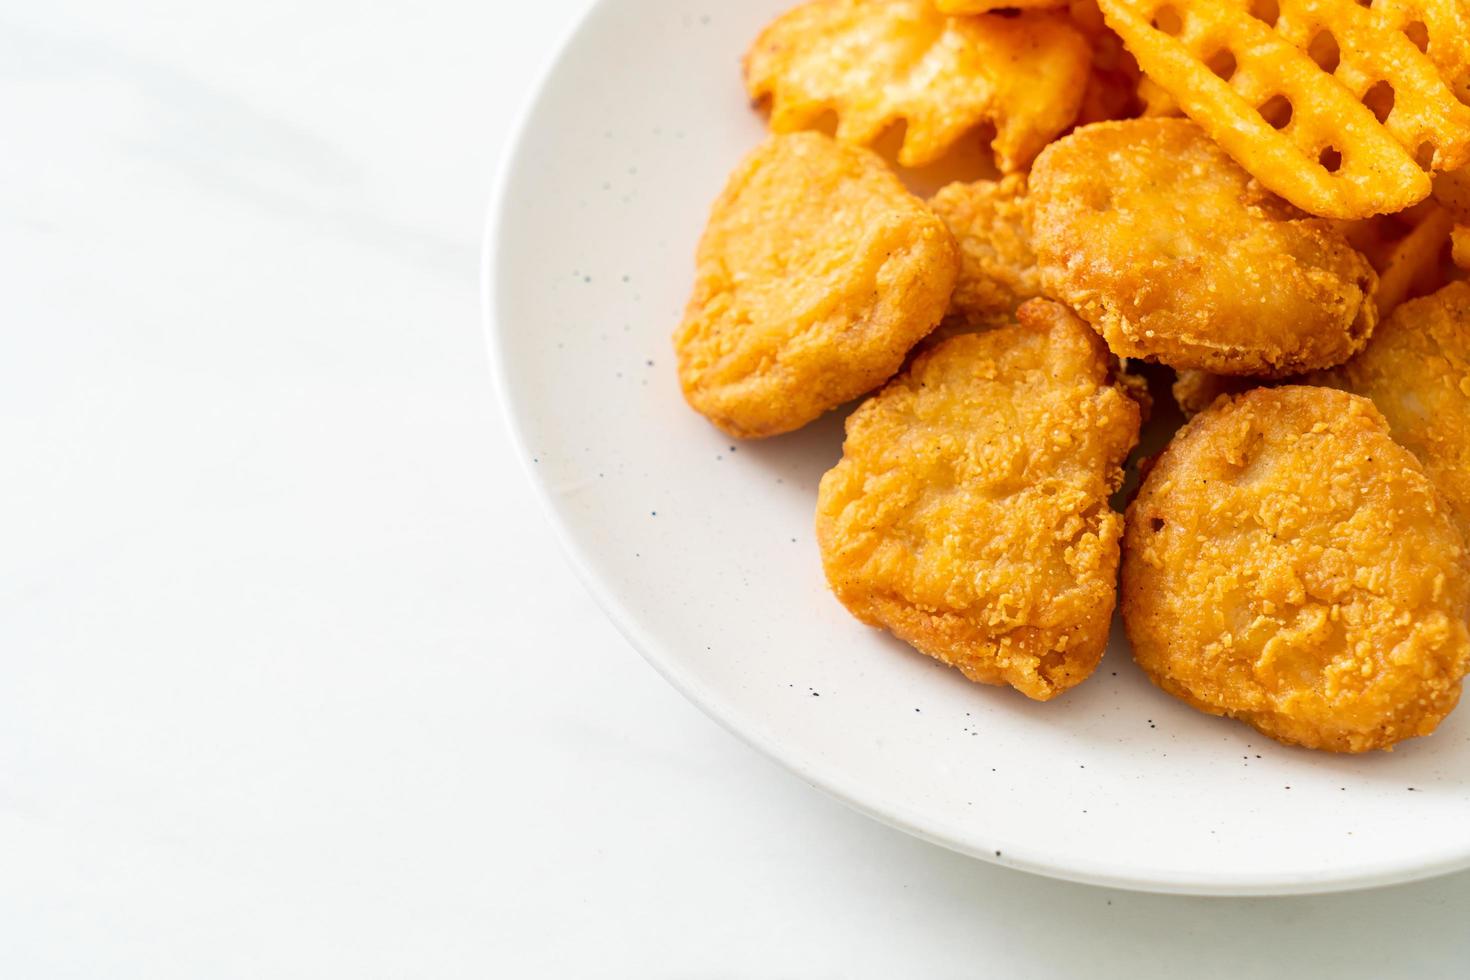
1015,855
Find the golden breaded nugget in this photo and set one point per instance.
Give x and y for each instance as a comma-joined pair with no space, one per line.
876,63
1174,254
1416,369
816,274
1288,564
969,514
1461,240
1330,104
1195,391
998,268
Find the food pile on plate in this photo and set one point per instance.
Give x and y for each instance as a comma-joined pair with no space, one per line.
1268,197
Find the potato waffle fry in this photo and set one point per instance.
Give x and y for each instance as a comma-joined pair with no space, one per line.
1156,101
1412,263
1439,28
1453,191
876,63
1332,105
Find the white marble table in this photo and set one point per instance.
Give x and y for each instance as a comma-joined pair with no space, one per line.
293,682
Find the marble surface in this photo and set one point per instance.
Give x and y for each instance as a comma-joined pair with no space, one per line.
293,682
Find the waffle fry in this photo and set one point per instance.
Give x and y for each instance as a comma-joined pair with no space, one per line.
1156,101
876,64
1439,28
1453,191
1331,105
1412,264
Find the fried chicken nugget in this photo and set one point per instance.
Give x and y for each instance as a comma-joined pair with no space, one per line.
1288,564
1174,254
969,514
1416,369
816,274
876,63
998,268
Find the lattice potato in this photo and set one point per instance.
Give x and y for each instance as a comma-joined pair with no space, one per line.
1407,250
1342,109
1453,191
877,63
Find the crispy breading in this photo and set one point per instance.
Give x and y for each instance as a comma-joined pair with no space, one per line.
998,268
816,274
1416,369
876,63
1288,564
1175,255
1461,250
969,514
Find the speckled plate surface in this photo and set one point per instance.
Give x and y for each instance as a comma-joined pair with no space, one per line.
702,550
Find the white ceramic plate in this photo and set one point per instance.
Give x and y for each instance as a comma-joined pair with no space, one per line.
702,550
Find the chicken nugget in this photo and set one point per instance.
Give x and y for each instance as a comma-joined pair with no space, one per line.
877,63
1416,369
1171,251
998,268
1288,564
816,274
969,514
